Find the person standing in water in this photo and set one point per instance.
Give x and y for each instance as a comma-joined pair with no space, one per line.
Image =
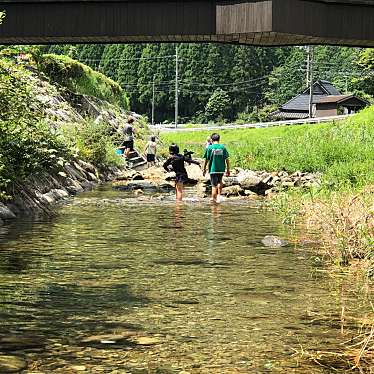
217,157
208,142
150,151
175,163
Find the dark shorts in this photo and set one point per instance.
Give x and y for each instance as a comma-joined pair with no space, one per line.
181,178
216,179
128,144
151,158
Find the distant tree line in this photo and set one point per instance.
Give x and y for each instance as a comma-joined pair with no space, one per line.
221,82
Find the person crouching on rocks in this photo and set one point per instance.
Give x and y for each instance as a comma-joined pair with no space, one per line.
129,133
175,163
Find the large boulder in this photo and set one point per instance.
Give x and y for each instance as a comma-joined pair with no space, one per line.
55,195
248,179
5,212
194,172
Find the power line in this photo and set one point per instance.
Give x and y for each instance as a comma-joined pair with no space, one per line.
128,59
190,83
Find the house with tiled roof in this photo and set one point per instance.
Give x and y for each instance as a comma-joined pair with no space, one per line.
327,102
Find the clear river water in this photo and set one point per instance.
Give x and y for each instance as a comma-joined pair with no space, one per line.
119,284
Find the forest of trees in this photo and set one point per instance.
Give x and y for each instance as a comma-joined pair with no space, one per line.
246,82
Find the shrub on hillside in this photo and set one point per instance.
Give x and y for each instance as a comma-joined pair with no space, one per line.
26,143
91,142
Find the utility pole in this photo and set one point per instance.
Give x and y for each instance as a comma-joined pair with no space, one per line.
307,65
346,84
153,101
176,86
310,53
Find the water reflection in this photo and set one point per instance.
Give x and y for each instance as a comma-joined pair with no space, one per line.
173,287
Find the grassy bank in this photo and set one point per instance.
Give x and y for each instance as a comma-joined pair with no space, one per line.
342,151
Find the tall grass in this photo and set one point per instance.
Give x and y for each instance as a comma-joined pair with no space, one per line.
343,151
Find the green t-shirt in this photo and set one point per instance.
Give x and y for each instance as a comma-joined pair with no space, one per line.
216,154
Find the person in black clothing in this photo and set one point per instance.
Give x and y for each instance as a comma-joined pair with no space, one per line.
176,163
129,133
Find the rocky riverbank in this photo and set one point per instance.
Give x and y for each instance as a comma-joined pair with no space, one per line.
41,191
241,183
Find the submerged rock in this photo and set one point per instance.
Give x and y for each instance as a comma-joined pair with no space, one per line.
20,343
274,241
145,340
12,364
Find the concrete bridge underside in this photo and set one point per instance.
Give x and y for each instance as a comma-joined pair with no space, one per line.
256,22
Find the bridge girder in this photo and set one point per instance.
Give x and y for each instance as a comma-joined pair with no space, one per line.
255,22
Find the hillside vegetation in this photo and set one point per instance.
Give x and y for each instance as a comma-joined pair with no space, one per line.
41,131
245,82
81,79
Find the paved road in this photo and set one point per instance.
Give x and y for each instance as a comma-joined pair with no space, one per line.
311,121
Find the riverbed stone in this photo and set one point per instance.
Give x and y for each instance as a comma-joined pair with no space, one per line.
249,193
232,191
274,241
92,177
136,185
5,212
12,364
288,184
79,368
55,195
228,181
146,340
127,175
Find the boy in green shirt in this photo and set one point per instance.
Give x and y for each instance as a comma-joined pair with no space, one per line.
217,157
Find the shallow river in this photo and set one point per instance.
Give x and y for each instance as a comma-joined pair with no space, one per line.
115,284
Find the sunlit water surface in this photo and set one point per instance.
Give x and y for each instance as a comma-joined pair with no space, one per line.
115,284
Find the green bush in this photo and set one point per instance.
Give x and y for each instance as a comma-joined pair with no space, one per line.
81,79
26,143
91,142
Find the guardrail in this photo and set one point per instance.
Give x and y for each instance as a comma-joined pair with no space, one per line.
311,121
